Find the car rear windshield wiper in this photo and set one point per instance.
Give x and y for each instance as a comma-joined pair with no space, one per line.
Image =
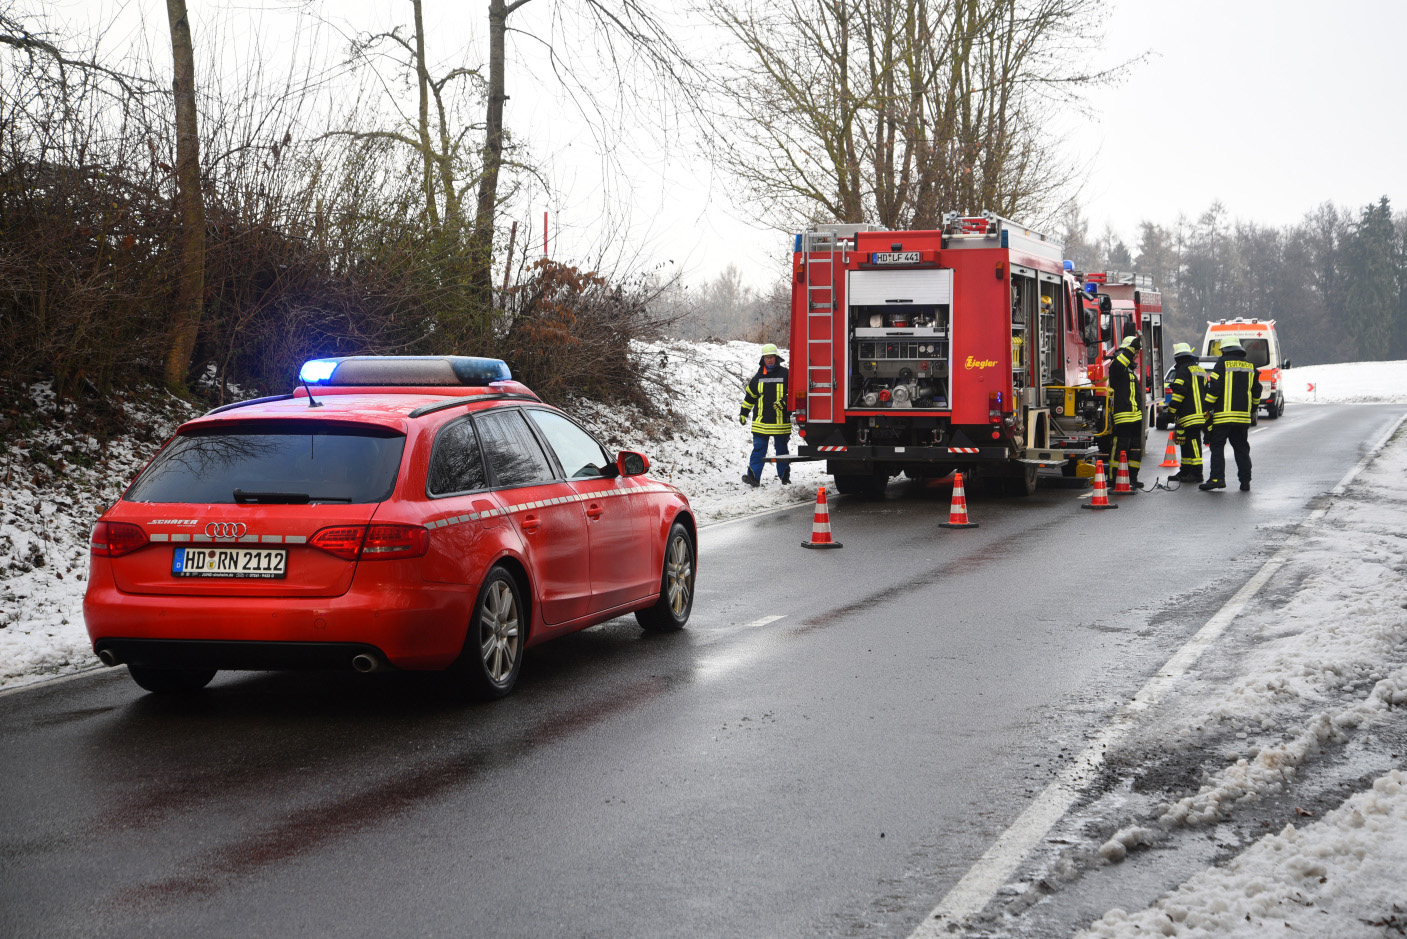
283,498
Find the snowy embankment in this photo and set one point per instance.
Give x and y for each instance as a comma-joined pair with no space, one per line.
1347,383
55,483
1324,682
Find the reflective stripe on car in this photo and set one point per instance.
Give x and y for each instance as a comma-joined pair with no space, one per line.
526,506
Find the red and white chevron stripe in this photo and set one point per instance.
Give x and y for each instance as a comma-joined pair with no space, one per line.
831,449
964,450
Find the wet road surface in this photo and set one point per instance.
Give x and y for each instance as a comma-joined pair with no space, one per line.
832,771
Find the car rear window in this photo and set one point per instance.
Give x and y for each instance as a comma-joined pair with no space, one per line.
277,461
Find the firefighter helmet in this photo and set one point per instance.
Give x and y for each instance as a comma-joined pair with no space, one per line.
1231,345
1180,349
769,349
1133,342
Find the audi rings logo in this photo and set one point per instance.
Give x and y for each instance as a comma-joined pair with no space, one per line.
226,529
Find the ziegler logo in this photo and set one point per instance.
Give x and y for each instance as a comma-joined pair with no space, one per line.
226,529
980,363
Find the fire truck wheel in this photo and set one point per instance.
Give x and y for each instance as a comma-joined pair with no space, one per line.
848,485
869,485
1023,485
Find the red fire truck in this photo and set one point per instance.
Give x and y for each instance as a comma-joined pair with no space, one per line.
973,348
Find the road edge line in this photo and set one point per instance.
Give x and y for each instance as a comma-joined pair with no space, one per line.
56,680
990,873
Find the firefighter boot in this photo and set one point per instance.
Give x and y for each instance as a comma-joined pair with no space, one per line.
1211,484
785,477
1189,474
750,479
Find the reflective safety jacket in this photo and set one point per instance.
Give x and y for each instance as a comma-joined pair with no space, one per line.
1189,385
767,395
1233,391
1125,397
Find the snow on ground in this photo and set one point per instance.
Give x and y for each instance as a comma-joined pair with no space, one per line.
1347,383
55,484
1341,876
1327,667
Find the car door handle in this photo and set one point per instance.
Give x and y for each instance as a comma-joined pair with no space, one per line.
593,511
531,523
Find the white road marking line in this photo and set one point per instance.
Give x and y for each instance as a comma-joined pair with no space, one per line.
772,511
977,887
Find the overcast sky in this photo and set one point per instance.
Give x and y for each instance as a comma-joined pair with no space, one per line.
1270,107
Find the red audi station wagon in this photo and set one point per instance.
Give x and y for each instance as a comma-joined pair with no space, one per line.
423,513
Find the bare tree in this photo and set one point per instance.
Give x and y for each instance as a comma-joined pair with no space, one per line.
190,292
894,111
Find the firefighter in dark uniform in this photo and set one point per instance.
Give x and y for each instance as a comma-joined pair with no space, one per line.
766,394
1126,406
1189,386
1233,394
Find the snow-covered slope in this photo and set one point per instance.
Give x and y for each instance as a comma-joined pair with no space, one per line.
56,483
1347,383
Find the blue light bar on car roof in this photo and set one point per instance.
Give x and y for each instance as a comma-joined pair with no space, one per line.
316,370
405,370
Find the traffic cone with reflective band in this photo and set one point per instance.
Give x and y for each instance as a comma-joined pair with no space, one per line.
1170,455
957,515
1101,495
821,525
1121,481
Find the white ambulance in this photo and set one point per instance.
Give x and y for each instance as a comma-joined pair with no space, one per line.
1263,350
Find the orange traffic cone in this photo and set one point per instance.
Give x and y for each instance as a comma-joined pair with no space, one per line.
1101,495
957,515
1121,480
1170,455
821,525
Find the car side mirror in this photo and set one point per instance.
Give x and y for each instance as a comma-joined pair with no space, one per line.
631,463
1285,364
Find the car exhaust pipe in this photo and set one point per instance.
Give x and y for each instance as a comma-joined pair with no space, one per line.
366,663
109,658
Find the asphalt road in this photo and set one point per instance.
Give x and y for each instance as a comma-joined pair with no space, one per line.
830,772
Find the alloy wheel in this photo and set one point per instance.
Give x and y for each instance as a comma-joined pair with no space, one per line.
679,575
498,632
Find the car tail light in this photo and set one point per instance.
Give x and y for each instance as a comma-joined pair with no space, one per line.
374,542
392,542
994,407
114,539
344,541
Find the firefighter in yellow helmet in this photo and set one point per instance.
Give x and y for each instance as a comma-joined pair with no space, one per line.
1125,404
1233,394
766,394
1188,387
